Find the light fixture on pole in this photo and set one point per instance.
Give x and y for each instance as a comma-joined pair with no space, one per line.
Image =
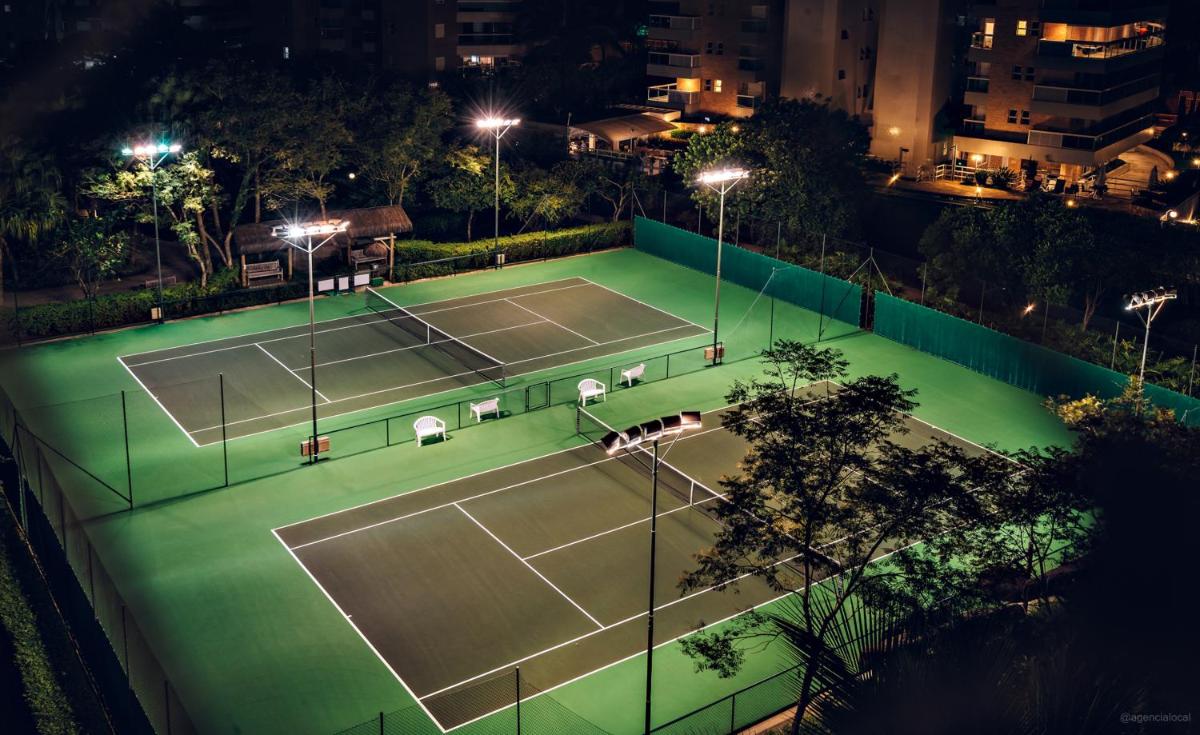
497,127
292,235
1153,302
614,442
721,181
153,154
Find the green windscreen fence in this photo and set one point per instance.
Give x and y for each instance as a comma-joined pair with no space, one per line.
1009,359
808,289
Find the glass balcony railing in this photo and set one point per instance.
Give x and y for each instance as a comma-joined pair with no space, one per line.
675,22
1093,97
977,84
683,61
1090,50
1089,142
670,94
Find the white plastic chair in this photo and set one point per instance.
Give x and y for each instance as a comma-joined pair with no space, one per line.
491,405
428,426
591,388
632,374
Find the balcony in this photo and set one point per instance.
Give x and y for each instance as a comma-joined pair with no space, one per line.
1089,51
666,64
749,101
671,95
673,27
977,90
981,40
753,26
1092,142
1093,104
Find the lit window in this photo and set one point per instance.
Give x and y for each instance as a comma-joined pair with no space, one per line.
287,52
439,30
439,63
1022,28
717,85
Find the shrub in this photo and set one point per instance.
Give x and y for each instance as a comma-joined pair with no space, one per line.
424,259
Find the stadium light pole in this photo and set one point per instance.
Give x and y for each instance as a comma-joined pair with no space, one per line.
1152,302
721,181
292,235
153,154
652,431
497,127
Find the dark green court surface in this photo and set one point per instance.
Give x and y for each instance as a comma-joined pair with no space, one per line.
541,564
385,354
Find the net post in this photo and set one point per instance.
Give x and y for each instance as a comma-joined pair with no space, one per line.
224,437
128,464
517,672
733,712
380,723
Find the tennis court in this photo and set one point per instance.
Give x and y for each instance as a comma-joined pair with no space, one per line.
541,564
387,353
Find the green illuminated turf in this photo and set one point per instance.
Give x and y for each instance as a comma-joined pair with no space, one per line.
250,644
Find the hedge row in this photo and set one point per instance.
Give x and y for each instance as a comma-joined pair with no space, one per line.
108,311
424,259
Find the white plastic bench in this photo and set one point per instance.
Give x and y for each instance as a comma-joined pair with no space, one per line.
491,405
590,388
428,426
632,374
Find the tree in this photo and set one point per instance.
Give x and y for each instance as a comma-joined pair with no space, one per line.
614,183
468,185
186,193
545,195
828,487
31,203
806,162
404,137
93,250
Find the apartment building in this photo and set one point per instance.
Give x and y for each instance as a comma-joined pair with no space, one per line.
713,57
830,48
1060,86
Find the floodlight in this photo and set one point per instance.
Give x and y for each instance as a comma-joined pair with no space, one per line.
1172,214
652,430
328,227
1028,310
613,442
721,175
1149,298
491,123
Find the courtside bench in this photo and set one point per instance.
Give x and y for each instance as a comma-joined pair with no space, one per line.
267,273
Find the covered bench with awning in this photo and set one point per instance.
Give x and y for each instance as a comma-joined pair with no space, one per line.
617,130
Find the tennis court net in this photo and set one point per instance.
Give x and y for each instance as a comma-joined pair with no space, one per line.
694,493
425,333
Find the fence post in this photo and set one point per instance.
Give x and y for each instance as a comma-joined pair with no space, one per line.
1192,375
821,309
128,464
924,275
518,677
732,713
224,437
982,294
380,723
1112,363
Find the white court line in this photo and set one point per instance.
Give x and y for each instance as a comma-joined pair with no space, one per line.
595,536
155,399
548,319
293,372
531,568
331,329
446,377
371,646
643,303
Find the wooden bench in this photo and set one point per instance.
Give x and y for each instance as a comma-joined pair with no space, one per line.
491,406
590,388
632,374
153,282
364,256
270,271
428,426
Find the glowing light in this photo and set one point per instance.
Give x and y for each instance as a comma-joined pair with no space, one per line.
1028,310
893,179
1169,175
978,191
1146,299
1196,162
1071,203
893,131
1172,214
144,150
351,175
702,129
491,123
721,175
977,158
736,129
307,229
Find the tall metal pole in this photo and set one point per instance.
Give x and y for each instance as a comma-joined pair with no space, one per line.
1145,348
717,296
314,451
650,607
496,232
157,246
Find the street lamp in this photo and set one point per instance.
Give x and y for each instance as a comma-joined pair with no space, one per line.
720,180
497,127
153,154
1153,302
628,440
292,235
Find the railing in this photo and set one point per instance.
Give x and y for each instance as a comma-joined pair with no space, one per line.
1085,141
683,61
749,101
669,93
1097,50
973,127
1093,97
675,22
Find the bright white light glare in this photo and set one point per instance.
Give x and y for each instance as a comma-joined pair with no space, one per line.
1029,310
1146,299
150,149
491,123
722,175
1172,213
310,228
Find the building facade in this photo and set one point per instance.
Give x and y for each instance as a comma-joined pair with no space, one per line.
1060,86
830,49
713,57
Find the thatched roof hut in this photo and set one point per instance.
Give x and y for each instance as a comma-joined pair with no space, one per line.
366,224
